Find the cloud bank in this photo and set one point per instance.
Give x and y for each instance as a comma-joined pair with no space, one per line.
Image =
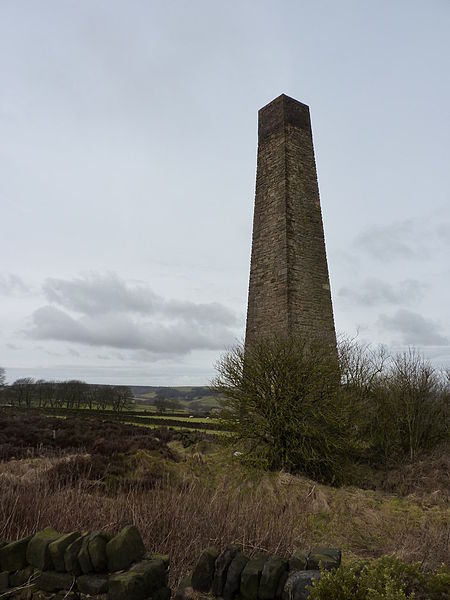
105,311
413,329
372,292
412,239
12,284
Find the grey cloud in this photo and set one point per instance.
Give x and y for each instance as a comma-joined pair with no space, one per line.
73,352
13,347
396,240
415,239
12,284
413,328
124,332
96,293
213,312
100,294
374,291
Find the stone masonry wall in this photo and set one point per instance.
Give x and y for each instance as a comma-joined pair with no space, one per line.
74,566
289,290
231,575
77,566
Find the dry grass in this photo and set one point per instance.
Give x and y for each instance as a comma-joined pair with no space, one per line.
90,476
218,503
427,479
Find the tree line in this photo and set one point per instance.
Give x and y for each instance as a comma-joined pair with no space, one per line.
27,392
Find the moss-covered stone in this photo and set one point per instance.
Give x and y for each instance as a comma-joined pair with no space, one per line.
325,558
64,596
52,581
58,547
164,593
4,581
38,553
127,586
233,582
203,573
223,561
297,584
281,584
155,556
272,572
84,560
71,556
21,577
13,556
251,576
97,551
299,560
124,549
92,584
184,590
154,573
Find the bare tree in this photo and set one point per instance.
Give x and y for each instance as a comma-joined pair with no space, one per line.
160,404
417,396
22,391
360,364
91,395
121,397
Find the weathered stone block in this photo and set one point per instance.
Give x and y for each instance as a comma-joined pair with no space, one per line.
52,581
71,556
37,595
21,577
299,560
13,556
155,556
251,576
127,586
4,581
164,593
64,596
38,553
97,551
270,578
154,574
92,584
124,549
223,561
58,547
203,573
185,590
297,584
233,582
281,584
84,560
325,558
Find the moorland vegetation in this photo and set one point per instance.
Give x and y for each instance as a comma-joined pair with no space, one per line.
296,406
353,455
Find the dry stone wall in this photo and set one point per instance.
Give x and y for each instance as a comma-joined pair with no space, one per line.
80,565
233,576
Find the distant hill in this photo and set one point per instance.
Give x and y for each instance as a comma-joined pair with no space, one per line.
183,393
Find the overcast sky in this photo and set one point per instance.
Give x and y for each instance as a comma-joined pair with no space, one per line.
127,171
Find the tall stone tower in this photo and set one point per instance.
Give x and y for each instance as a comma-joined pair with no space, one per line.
289,291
